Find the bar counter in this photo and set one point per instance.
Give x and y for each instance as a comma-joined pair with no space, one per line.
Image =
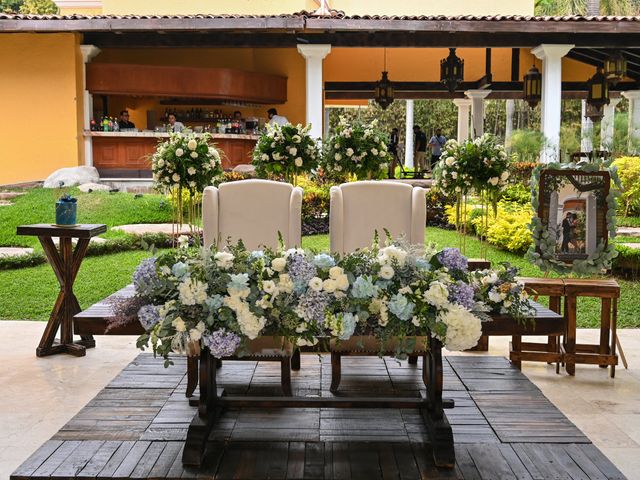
126,154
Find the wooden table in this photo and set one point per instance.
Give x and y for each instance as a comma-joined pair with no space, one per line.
65,262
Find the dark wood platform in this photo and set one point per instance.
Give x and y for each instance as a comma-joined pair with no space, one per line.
504,428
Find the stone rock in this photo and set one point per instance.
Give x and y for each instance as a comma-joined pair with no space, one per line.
72,176
245,168
56,240
142,228
15,251
94,187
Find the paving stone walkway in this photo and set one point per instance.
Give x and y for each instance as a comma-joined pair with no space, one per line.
142,228
628,231
15,251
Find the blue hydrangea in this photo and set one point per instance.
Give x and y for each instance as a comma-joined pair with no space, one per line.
401,307
422,264
312,306
256,254
462,294
149,316
145,277
180,270
222,343
300,270
363,287
214,302
349,321
452,259
239,281
324,261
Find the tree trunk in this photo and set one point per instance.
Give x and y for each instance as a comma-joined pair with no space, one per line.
593,7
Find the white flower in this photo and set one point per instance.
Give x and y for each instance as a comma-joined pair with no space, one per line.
192,292
329,285
286,284
298,161
192,184
224,260
264,157
278,264
269,286
386,272
458,189
276,156
338,168
504,176
183,240
264,303
496,297
450,161
489,279
379,307
195,335
437,295
192,145
161,163
415,321
179,152
374,151
293,151
337,145
463,328
194,154
175,177
191,171
338,157
454,175
335,272
315,284
342,282
493,181
390,253
349,152
296,139
301,342
179,325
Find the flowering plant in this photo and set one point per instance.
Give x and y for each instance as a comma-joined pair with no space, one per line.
501,292
286,150
222,300
357,149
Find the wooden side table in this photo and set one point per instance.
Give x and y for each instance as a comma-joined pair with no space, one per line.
603,353
65,263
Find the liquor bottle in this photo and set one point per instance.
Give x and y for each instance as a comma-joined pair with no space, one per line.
92,125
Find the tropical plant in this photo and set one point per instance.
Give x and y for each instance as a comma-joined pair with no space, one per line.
629,172
33,7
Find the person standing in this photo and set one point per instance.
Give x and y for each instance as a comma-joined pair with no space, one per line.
420,149
394,139
174,125
124,122
436,144
274,118
567,223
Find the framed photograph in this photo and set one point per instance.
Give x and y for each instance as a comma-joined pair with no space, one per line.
573,208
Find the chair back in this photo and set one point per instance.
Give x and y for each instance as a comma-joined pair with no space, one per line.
358,209
253,211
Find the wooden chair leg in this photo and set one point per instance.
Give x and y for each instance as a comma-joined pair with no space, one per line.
285,376
295,360
336,371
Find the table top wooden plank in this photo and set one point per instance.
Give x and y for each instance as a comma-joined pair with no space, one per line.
83,230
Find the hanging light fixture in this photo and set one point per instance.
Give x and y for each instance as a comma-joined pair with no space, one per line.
532,86
383,94
615,68
451,71
597,95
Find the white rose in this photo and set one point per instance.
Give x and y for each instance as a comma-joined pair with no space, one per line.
269,286
335,272
374,151
278,264
342,282
192,184
315,284
349,151
179,325
450,161
175,177
293,151
224,260
386,272
192,145
493,181
191,171
179,152
264,157
504,176
161,163
495,296
329,285
338,157
285,285
296,139
437,295
392,252
298,162
454,175
489,279
194,154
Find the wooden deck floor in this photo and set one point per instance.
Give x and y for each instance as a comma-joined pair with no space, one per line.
504,428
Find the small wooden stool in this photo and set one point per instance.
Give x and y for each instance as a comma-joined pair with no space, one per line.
603,353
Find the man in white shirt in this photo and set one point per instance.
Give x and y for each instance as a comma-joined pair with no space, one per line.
274,118
175,125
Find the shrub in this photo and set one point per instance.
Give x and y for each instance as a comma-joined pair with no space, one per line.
521,171
517,193
627,262
437,203
525,145
629,172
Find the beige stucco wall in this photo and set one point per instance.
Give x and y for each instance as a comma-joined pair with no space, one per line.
351,7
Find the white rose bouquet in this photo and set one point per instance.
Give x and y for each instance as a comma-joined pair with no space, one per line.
356,149
285,151
501,291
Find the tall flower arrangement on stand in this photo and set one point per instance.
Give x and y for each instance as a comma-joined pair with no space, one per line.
182,167
285,151
357,150
476,167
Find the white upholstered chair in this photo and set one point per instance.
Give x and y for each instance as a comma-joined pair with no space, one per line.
358,209
253,211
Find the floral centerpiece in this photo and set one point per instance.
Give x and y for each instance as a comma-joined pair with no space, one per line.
191,298
285,151
356,149
182,167
478,167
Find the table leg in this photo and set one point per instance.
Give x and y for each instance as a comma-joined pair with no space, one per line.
614,333
516,346
570,310
605,326
336,371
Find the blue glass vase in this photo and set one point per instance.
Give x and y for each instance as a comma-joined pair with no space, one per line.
66,212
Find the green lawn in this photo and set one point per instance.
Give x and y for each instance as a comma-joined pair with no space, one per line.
38,206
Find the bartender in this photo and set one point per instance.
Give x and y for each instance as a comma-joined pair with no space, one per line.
175,125
274,118
124,122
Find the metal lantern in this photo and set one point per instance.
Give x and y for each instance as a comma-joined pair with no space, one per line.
615,68
597,95
451,71
383,94
532,87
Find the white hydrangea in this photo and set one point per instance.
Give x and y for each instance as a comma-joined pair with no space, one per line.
463,328
192,292
224,260
437,295
388,254
285,283
278,264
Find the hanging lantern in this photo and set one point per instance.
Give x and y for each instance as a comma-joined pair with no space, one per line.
532,87
383,94
615,68
451,71
597,95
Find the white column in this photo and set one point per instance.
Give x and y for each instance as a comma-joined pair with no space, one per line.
464,107
634,118
88,53
510,106
314,54
586,130
408,135
551,56
607,124
477,110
